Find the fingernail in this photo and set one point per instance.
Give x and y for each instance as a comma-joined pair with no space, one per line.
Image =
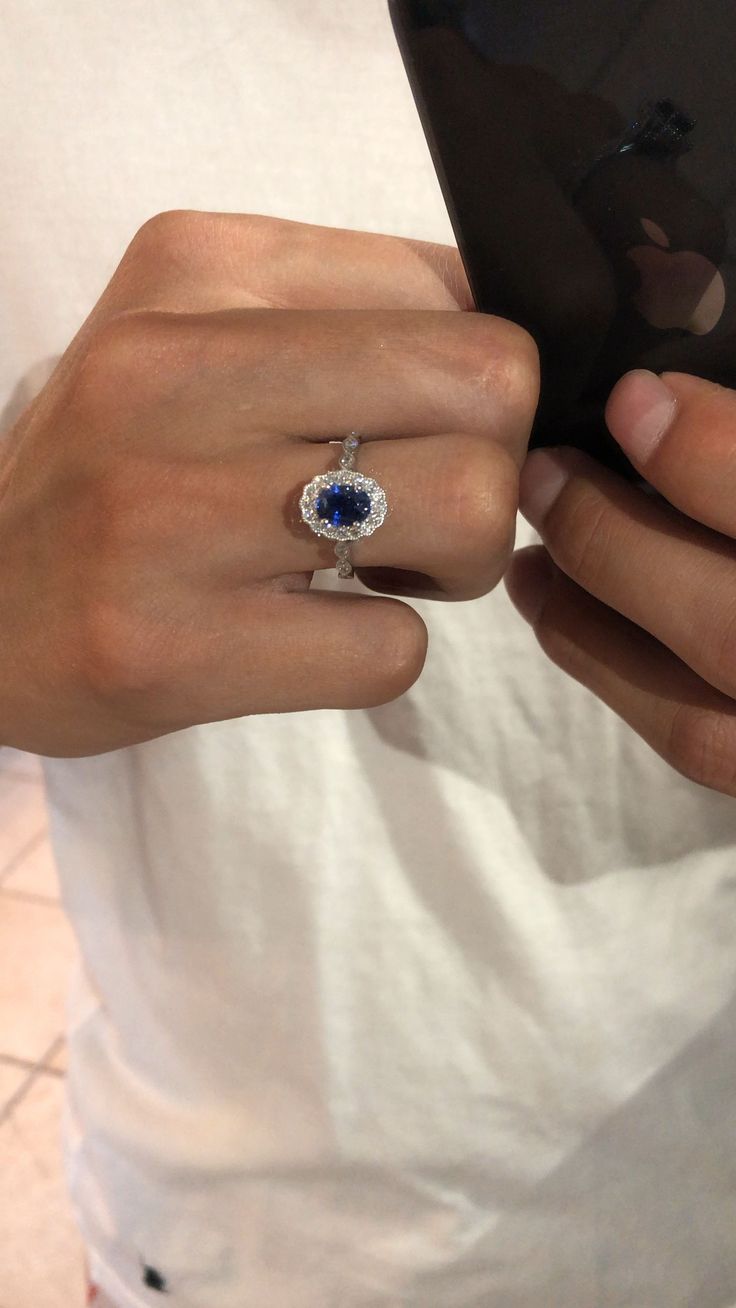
529,581
640,412
542,478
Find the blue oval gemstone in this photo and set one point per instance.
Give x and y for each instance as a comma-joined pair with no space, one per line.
343,506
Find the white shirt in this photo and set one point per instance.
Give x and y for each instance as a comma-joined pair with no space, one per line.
427,1006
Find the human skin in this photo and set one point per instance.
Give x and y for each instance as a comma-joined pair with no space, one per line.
156,572
634,595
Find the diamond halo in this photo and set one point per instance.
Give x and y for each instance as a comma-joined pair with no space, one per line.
343,477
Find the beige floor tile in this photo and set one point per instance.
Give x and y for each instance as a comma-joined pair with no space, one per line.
22,816
35,871
37,951
22,764
41,1251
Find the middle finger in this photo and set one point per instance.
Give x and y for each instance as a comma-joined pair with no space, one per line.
223,380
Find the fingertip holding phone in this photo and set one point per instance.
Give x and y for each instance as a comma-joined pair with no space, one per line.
586,153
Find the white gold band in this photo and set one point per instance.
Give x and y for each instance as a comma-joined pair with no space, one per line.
343,505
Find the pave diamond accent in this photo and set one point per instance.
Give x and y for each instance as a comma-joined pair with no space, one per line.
323,493
344,563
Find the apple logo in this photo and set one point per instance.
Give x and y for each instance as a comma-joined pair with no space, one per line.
682,289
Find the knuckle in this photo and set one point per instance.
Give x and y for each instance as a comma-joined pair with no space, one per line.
266,237
504,364
522,360
581,541
724,659
139,358
122,657
189,239
479,493
174,232
701,745
122,364
402,653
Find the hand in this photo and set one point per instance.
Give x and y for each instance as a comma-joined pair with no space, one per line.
635,595
155,571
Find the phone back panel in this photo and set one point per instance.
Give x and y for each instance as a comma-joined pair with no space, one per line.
586,151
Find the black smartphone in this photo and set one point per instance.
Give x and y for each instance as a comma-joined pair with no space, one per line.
586,150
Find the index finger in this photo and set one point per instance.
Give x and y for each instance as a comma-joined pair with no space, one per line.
190,262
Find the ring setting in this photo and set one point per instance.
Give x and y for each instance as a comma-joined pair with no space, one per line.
343,505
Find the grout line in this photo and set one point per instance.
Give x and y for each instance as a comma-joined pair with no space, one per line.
35,1063
14,1061
56,1044
12,1103
51,1053
36,839
9,1060
28,897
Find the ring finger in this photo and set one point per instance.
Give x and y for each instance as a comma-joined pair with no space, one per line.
451,515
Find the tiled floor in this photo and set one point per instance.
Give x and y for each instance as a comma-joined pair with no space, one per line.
41,1253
